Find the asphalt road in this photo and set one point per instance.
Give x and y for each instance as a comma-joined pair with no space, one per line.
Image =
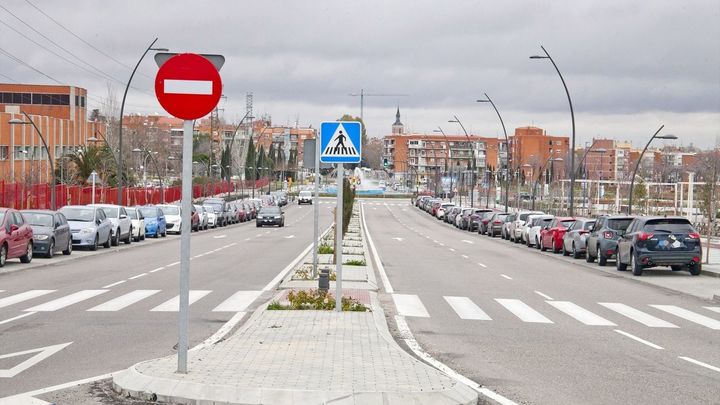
539,328
111,308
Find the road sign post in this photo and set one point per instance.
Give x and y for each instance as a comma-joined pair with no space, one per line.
340,143
188,86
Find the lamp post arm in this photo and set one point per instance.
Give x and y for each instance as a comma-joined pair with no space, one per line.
507,152
52,162
637,165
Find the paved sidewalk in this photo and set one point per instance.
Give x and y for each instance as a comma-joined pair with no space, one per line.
299,357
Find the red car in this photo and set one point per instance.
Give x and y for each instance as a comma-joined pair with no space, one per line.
551,237
435,206
194,219
16,237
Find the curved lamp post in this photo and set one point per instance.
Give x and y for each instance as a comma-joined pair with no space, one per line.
540,173
94,140
122,111
572,118
637,165
447,152
17,121
507,147
472,148
151,155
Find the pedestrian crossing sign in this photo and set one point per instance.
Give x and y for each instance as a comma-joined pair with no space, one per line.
340,142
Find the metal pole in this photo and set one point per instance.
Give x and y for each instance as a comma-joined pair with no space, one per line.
52,164
122,111
185,246
94,176
338,238
637,165
316,207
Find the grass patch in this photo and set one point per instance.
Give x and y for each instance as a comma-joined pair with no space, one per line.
355,262
316,300
326,250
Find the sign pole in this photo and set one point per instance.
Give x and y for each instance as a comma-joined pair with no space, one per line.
185,246
316,208
338,238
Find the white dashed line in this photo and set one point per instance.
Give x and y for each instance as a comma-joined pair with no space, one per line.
507,277
643,341
465,256
700,363
482,265
138,276
547,297
158,269
114,284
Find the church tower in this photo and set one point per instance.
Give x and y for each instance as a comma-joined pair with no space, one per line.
398,128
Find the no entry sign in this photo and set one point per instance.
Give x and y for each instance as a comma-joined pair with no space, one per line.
188,86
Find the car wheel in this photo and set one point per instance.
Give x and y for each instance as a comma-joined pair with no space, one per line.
116,238
637,268
527,243
602,259
107,243
94,246
564,251
554,248
51,249
537,243
3,255
68,250
164,234
257,225
27,257
542,246
619,265
695,269
129,238
575,253
588,257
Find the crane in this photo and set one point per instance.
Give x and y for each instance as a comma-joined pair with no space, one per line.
362,96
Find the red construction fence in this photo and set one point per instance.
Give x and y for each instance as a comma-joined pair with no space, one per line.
37,196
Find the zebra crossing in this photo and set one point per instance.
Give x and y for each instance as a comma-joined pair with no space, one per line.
466,309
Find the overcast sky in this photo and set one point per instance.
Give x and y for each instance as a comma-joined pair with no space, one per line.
630,66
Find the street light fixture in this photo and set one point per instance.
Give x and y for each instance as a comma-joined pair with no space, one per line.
637,165
17,121
507,147
572,118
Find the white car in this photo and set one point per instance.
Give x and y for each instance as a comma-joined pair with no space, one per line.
458,217
444,208
211,215
305,197
533,238
138,223
121,223
173,217
516,226
203,217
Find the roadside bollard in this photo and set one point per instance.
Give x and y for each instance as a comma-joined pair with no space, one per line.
324,280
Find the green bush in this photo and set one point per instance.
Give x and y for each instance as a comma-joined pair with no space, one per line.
316,300
326,250
348,201
355,262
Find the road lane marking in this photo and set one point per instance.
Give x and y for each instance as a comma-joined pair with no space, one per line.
441,244
220,237
381,269
238,302
66,301
116,283
410,305
714,309
42,354
547,297
465,256
246,239
232,244
124,301
17,317
482,265
173,304
452,250
580,313
690,316
24,296
466,309
506,276
522,311
138,276
700,363
398,239
467,241
643,341
158,269
637,315
289,236
173,264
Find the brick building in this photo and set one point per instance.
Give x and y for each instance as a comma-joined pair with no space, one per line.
283,138
60,113
531,148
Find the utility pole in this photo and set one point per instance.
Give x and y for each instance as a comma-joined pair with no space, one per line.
362,96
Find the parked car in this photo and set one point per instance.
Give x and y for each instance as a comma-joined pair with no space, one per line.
16,237
194,219
421,200
89,226
551,236
484,221
494,225
203,215
155,222
444,208
212,216
603,237
305,197
221,210
122,224
463,218
538,224
51,232
475,218
574,240
173,217
138,223
270,216
516,226
505,230
525,229
660,241
249,210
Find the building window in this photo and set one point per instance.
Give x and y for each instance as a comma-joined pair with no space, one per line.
4,150
20,153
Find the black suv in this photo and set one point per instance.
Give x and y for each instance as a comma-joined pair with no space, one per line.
603,237
660,241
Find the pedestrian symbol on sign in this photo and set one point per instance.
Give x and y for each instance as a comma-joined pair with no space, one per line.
340,142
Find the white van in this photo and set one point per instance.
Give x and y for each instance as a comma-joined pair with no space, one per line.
305,197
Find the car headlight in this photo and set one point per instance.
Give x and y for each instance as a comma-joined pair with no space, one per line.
278,216
40,237
87,230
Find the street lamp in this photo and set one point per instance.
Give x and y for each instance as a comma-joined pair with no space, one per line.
637,165
541,171
122,110
151,155
472,148
17,121
507,147
572,118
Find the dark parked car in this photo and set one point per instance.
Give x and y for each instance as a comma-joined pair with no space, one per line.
484,221
475,217
271,215
16,237
221,210
495,224
603,237
51,232
660,241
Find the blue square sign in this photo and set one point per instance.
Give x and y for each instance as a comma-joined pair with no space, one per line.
340,142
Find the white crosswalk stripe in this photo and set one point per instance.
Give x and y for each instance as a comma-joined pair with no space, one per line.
410,305
66,301
466,309
637,315
23,296
522,311
714,309
580,313
173,304
238,302
124,301
690,316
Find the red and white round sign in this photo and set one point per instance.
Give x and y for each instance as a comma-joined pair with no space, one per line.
188,86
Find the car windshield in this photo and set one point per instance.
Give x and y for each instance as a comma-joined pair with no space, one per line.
567,223
149,212
79,214
305,194
620,224
588,225
215,207
209,208
544,221
669,225
170,210
271,211
131,212
110,212
37,219
502,217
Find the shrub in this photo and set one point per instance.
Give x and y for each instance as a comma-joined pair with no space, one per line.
326,250
355,262
317,300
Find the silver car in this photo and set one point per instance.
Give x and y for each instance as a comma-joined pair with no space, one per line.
574,239
122,224
89,226
516,226
203,217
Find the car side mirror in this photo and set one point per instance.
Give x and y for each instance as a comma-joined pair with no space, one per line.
13,228
123,216
98,222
